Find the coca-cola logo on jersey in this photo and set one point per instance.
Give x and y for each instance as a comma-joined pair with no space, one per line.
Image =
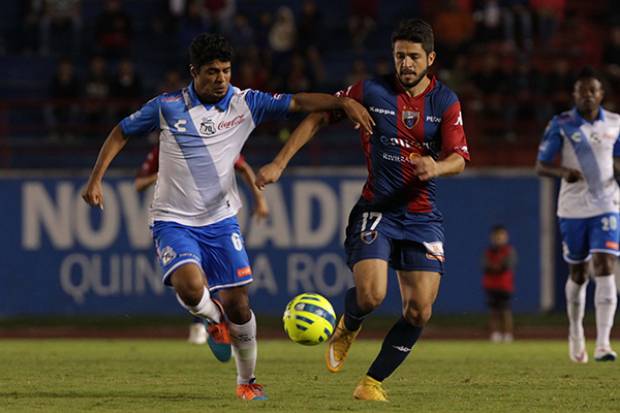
237,120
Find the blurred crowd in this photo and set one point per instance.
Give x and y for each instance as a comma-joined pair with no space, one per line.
512,62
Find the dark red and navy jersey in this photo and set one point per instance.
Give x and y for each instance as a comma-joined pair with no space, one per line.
429,124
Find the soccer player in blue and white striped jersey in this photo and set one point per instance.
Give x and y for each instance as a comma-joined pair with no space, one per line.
203,128
586,139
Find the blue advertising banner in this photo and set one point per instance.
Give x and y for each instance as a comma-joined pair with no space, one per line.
61,257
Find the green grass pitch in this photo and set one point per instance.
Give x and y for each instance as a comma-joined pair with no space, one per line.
172,376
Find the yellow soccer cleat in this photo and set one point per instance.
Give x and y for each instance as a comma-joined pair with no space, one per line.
338,346
370,389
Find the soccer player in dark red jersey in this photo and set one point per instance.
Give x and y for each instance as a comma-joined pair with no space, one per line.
418,135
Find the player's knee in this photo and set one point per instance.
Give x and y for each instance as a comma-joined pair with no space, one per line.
578,276
238,313
189,286
604,266
418,315
237,308
369,300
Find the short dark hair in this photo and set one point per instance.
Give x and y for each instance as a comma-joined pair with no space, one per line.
415,30
498,228
588,72
208,47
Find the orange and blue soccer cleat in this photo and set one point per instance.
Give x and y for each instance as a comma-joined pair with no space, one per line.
251,391
338,346
370,389
219,337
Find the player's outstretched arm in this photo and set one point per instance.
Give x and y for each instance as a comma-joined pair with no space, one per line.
93,194
143,182
261,208
548,169
425,167
271,172
315,102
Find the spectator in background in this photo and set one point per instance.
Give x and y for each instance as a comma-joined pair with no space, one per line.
282,38
549,15
125,89
518,24
282,35
310,26
488,91
458,77
455,28
172,81
29,36
192,24
241,34
358,72
362,20
220,14
298,78
60,26
488,18
113,30
316,68
251,76
498,264
64,90
611,55
96,94
559,83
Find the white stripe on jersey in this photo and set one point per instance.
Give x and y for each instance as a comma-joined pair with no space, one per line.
589,148
196,183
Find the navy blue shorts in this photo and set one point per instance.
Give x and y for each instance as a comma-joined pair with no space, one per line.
406,244
217,248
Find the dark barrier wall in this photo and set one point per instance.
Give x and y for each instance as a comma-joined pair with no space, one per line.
61,257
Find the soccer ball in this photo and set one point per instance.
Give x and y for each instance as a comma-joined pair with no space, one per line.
309,319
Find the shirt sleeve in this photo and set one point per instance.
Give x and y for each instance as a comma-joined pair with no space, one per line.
355,91
265,106
551,143
150,165
452,133
143,121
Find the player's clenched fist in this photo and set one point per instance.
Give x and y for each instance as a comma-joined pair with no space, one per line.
268,174
424,167
93,194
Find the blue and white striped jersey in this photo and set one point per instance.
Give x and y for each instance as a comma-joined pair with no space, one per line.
588,147
199,143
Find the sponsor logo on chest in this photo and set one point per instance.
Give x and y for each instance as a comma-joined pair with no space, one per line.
208,127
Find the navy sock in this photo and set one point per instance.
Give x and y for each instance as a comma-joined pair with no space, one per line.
353,315
396,346
196,319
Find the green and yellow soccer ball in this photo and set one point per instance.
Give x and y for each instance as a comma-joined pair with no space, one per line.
309,319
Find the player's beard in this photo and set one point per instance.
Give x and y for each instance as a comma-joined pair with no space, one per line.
416,81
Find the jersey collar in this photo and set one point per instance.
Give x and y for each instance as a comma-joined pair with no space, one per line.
222,104
601,115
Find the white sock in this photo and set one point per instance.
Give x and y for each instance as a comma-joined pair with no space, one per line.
605,301
243,337
206,308
575,306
